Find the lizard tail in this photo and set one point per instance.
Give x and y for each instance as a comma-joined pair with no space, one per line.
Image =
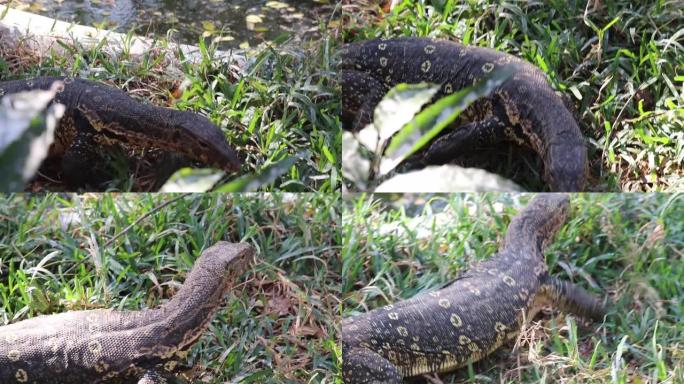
573,299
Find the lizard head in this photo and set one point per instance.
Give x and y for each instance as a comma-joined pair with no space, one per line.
200,140
566,171
551,210
233,257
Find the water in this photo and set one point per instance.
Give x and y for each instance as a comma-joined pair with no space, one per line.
191,19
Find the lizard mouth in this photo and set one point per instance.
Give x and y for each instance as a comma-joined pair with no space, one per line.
231,168
231,165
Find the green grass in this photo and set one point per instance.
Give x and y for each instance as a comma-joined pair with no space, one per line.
620,63
73,252
627,247
281,104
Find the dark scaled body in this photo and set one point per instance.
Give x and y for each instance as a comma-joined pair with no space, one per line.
101,346
524,109
442,330
99,119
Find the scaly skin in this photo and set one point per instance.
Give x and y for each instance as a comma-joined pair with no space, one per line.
99,117
99,346
474,315
524,109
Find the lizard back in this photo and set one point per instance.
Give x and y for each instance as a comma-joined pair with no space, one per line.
531,112
95,346
475,314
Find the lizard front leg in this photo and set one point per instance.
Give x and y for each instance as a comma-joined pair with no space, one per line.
363,366
464,139
81,164
570,298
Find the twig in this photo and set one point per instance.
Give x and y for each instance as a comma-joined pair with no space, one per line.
143,217
128,228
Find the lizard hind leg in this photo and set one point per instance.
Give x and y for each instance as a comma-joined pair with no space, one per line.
81,164
465,139
363,366
571,298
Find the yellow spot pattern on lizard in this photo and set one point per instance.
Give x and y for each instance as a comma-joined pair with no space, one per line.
508,280
101,367
13,355
402,331
21,376
503,60
474,290
169,366
95,347
456,320
444,303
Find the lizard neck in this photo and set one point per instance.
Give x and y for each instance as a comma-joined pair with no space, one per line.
188,313
533,228
526,237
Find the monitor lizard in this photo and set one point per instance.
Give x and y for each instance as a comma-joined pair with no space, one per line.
524,109
471,317
103,345
99,118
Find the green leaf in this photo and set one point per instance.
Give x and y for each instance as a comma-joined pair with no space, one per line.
192,180
447,178
576,92
436,117
610,24
267,176
396,109
355,167
27,125
208,26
